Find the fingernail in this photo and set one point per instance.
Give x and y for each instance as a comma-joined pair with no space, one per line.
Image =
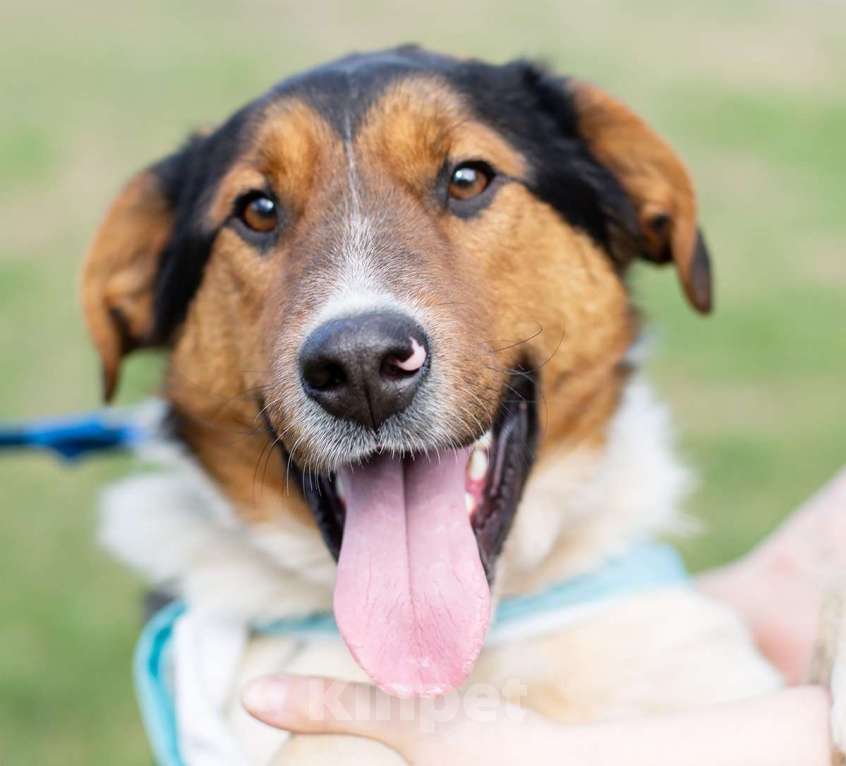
264,696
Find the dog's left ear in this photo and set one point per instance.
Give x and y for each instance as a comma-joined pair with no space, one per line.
120,270
655,180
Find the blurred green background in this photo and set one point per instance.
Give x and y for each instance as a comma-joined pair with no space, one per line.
751,93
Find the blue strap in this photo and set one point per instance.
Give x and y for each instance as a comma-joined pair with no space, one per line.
73,437
309,625
647,566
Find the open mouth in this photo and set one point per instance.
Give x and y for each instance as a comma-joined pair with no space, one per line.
417,537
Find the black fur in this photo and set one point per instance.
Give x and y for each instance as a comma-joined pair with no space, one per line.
535,113
530,107
189,178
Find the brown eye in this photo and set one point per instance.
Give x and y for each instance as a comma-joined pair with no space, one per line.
259,213
469,180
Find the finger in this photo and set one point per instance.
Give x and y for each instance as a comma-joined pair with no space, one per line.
314,705
468,726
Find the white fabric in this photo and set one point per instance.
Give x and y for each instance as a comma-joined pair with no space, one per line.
206,657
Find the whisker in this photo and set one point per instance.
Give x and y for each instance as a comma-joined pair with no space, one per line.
515,344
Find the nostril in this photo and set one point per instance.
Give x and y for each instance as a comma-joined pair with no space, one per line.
325,376
405,364
392,370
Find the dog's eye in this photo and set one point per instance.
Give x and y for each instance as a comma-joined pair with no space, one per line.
258,212
469,180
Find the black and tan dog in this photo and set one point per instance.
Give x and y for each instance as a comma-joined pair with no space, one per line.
406,273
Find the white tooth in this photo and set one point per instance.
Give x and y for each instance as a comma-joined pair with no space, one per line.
478,465
485,440
340,488
469,502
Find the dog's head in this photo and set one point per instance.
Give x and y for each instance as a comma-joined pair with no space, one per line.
406,273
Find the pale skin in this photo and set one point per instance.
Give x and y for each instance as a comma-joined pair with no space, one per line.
799,561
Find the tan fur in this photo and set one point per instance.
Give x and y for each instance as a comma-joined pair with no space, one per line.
612,666
117,278
420,120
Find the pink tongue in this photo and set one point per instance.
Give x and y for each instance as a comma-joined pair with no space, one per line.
411,598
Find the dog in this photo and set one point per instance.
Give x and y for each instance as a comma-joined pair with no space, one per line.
402,378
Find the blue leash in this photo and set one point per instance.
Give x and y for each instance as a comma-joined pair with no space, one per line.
76,436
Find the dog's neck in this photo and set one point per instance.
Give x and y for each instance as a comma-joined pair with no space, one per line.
583,503
586,503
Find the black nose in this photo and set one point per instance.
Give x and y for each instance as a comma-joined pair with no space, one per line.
365,368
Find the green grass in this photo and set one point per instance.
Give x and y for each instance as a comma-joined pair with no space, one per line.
751,93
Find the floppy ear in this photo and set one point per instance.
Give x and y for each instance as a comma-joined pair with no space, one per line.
655,180
120,271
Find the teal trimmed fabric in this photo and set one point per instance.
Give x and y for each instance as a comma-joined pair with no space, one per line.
645,567
154,685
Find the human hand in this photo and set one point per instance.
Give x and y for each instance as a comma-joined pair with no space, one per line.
779,587
781,729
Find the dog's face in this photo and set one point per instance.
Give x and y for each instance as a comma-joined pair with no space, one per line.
405,272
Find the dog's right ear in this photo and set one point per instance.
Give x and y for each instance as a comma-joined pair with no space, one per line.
119,273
